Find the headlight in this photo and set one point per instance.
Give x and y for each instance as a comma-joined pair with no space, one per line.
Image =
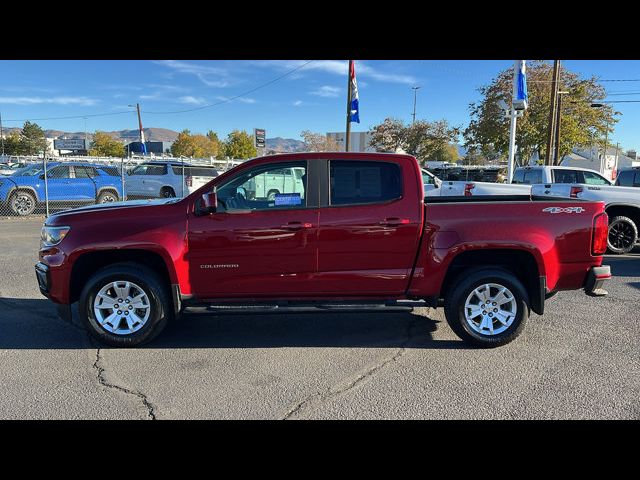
50,236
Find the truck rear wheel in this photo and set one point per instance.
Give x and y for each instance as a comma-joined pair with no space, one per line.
623,235
125,305
487,307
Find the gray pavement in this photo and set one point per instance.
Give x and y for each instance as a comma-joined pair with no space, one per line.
580,361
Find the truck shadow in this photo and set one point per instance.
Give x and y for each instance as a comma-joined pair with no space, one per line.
33,324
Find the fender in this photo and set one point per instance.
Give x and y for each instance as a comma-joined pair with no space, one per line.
111,189
20,187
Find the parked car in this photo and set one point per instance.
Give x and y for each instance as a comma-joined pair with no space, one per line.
160,179
361,230
10,168
558,174
628,177
68,184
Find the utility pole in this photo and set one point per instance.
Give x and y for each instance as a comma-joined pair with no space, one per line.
552,110
415,95
348,137
1,134
558,122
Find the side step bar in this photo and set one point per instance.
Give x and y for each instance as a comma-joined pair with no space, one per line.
304,307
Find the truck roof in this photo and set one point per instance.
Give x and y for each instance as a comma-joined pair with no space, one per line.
557,167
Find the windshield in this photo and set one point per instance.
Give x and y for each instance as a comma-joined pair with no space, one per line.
29,171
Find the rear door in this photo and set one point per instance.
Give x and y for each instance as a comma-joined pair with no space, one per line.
370,222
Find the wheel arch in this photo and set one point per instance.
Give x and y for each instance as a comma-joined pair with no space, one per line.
85,265
518,262
108,188
624,210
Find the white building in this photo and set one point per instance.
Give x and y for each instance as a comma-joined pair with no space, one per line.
358,142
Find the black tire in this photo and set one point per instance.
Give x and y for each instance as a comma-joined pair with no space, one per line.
160,303
23,203
271,196
167,192
107,196
464,285
622,236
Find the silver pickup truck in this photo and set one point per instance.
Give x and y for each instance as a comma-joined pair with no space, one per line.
622,203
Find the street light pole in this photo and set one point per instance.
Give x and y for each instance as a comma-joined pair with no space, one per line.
415,95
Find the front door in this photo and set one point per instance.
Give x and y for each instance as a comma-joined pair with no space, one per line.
259,243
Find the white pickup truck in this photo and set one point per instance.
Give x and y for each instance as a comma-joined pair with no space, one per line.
622,203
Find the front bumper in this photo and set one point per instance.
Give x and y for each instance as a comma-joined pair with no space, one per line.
595,280
44,281
44,284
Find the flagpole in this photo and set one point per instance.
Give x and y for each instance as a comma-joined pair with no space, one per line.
348,137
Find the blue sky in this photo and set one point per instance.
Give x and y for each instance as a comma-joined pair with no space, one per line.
311,98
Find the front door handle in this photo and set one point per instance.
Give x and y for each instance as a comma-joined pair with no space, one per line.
296,225
394,221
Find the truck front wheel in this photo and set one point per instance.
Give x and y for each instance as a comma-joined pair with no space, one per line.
487,307
125,305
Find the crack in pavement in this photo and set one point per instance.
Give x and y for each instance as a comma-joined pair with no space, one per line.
334,391
103,381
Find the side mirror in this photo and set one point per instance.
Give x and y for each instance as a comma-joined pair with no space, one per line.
210,202
41,176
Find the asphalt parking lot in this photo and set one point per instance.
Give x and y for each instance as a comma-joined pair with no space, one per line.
580,361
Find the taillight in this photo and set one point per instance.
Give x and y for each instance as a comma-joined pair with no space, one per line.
600,233
575,191
467,189
189,181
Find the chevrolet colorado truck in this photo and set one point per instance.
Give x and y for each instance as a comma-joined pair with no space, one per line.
361,230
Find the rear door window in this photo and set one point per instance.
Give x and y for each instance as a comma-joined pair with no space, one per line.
567,176
156,170
355,182
528,177
594,179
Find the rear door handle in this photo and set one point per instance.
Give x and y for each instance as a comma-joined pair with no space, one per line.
394,221
296,225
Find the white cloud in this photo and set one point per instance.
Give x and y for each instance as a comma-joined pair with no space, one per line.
327,91
83,101
338,67
297,103
210,76
192,100
240,99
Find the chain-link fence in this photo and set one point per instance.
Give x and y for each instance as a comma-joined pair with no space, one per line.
45,185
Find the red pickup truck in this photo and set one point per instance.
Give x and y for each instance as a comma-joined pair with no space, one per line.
346,228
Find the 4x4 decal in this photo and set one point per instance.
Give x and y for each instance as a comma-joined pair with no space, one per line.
563,209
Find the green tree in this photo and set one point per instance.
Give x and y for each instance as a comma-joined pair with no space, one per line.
184,145
582,125
239,145
216,144
103,145
32,139
422,139
13,145
316,142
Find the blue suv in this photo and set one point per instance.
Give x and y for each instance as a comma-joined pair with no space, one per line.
68,184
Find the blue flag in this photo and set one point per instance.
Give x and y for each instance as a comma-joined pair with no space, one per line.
354,115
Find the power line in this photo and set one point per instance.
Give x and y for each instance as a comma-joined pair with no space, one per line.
237,96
